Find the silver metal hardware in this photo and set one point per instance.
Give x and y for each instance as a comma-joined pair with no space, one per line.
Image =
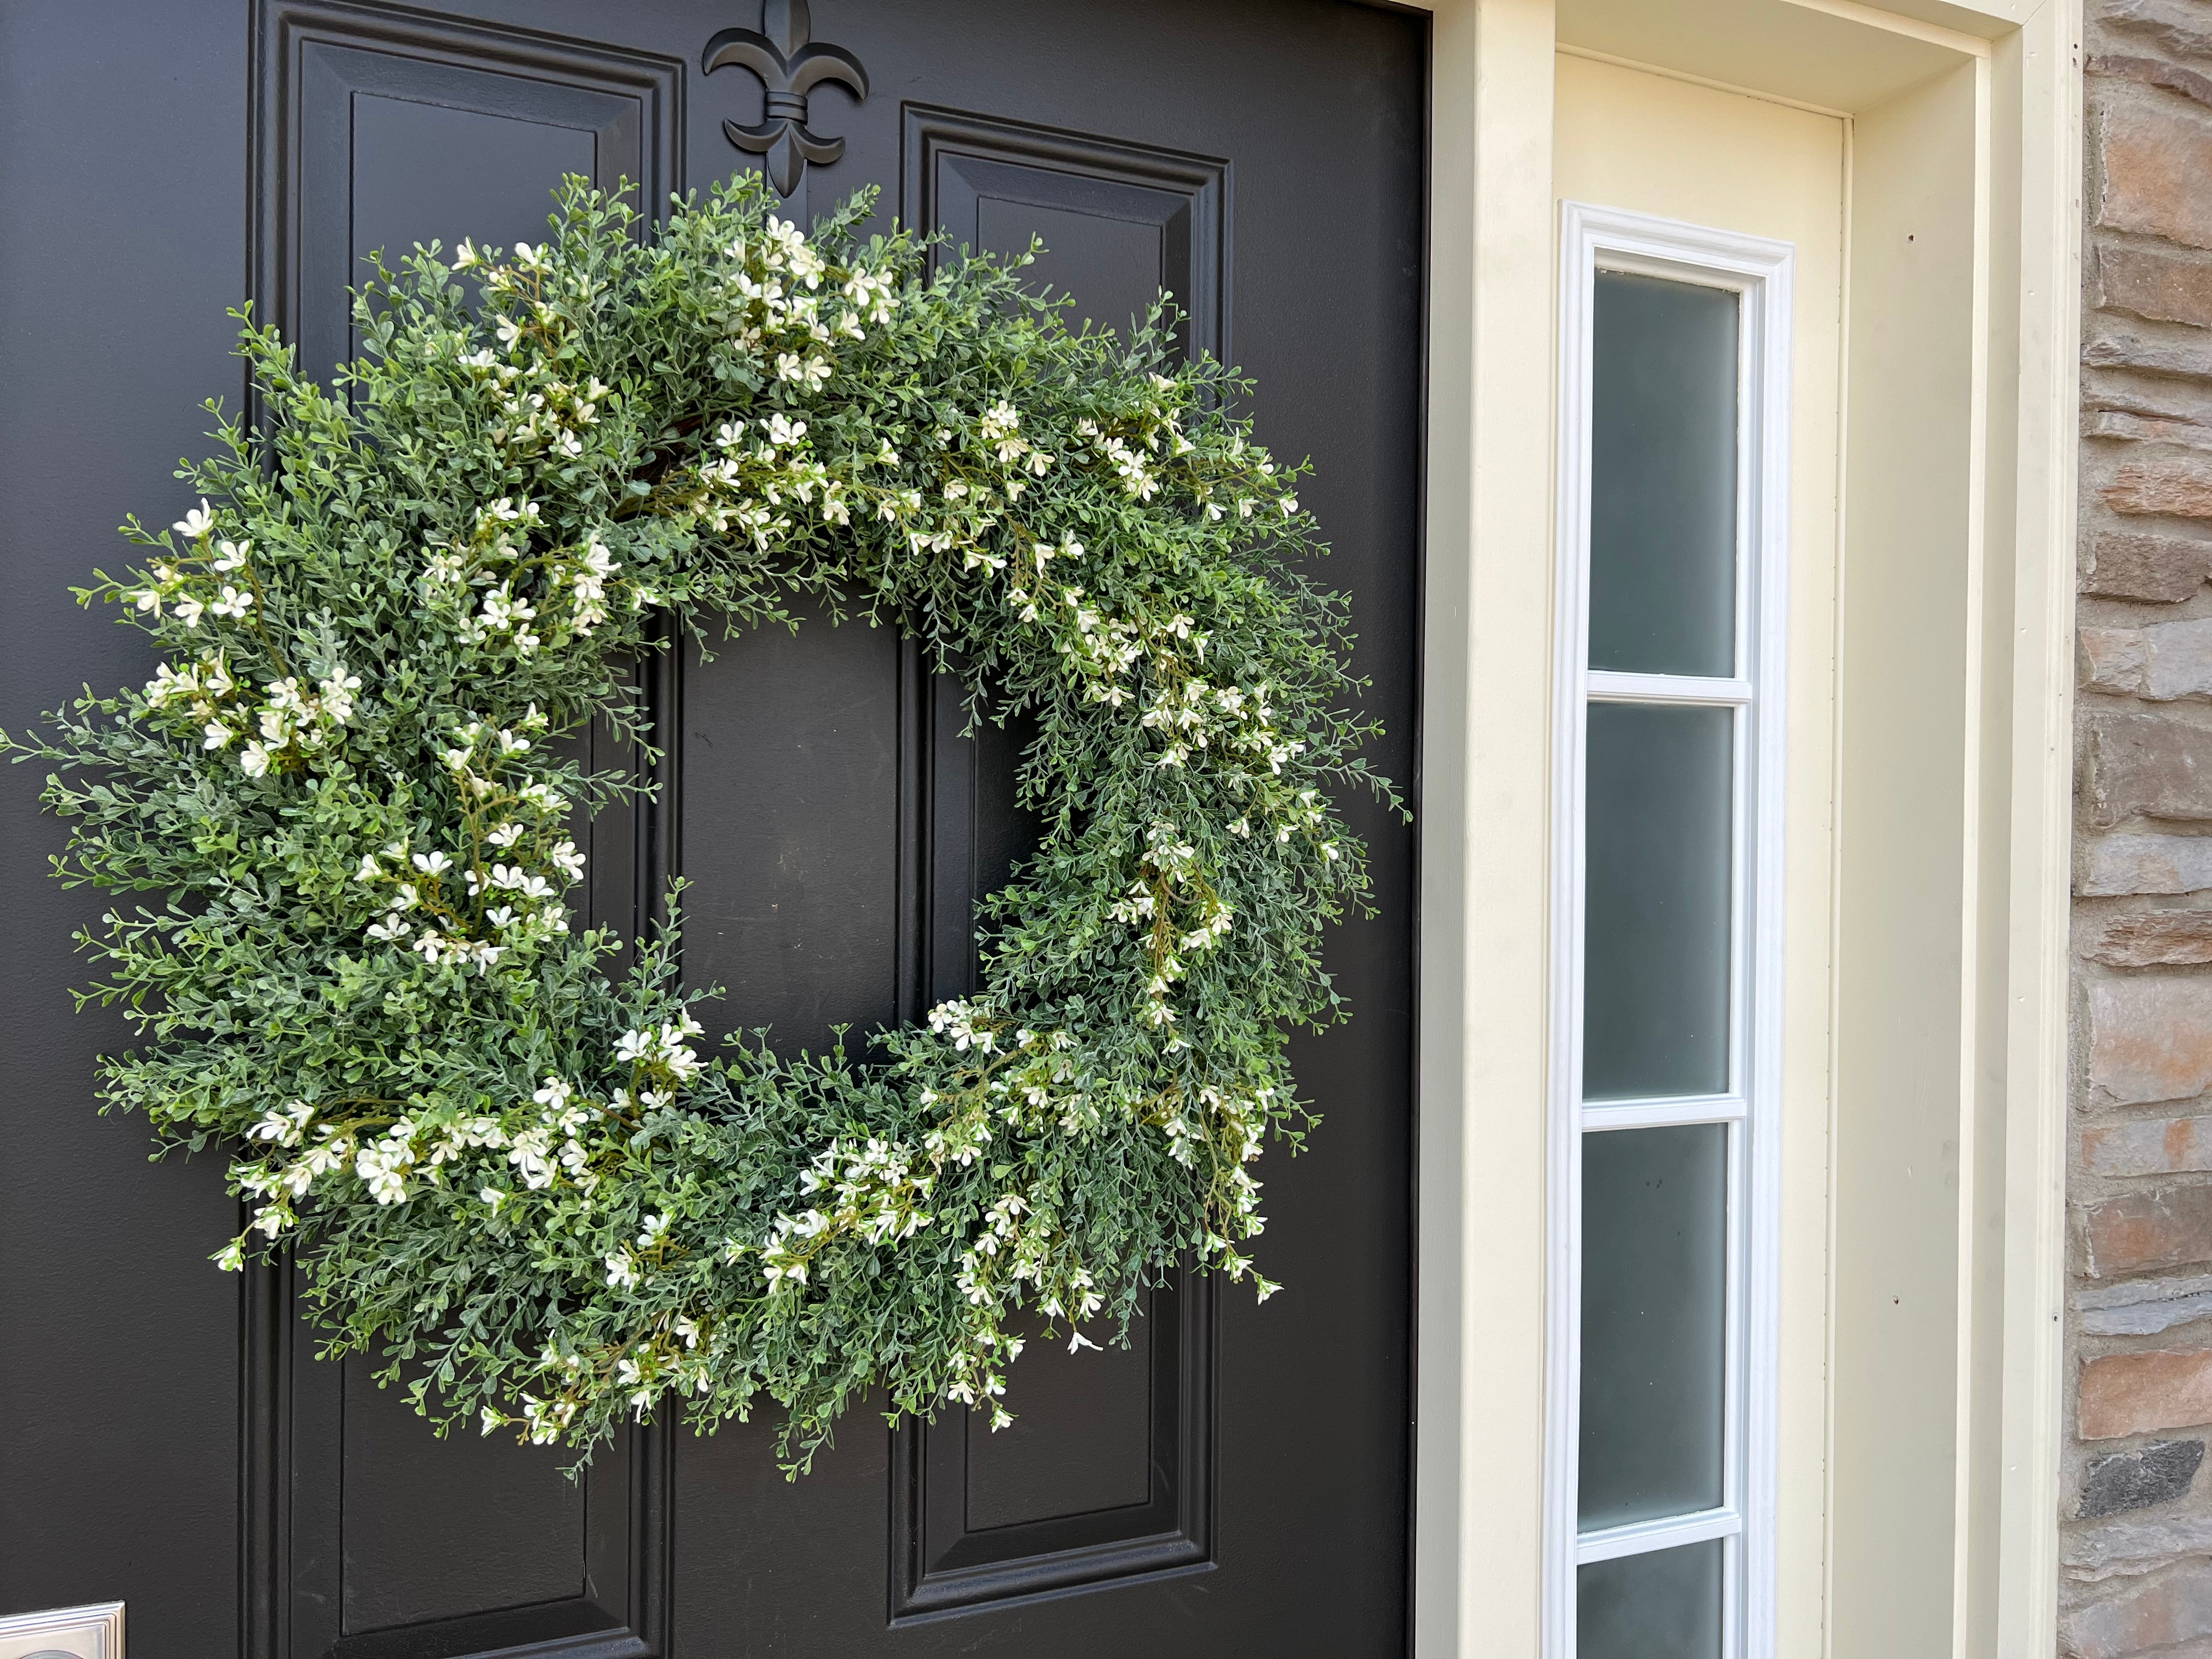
93,1632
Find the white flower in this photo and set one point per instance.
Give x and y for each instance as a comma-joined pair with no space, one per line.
382,1167
254,761
555,1093
337,694
635,1045
432,864
566,860
197,523
218,736
232,603
621,1271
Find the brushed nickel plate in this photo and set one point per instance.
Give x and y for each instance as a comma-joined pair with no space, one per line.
90,1632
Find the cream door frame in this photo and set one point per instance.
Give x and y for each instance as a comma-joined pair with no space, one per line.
1992,89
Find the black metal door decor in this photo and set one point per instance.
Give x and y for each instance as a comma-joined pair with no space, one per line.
791,64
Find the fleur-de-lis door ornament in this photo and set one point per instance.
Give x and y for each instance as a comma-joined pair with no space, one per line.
790,65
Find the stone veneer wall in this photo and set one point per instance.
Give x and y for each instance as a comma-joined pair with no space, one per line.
2137,1538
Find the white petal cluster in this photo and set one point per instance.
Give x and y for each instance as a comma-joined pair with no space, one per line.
870,1190
501,890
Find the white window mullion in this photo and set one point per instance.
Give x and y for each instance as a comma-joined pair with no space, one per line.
1646,1537
1600,1114
1604,685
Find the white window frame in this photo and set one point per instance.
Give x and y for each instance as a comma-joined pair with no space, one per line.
1593,238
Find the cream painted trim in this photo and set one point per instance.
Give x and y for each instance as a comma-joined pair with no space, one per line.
1484,908
2039,173
1479,1392
1968,45
1596,57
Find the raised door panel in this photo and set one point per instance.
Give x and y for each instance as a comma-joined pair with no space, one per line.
1107,1473
372,1539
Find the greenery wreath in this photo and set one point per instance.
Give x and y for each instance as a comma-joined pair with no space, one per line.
519,1181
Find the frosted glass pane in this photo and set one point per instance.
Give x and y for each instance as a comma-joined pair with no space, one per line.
1666,1605
1655,901
1662,476
1655,1288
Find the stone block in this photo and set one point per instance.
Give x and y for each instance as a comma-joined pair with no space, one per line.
2183,29
2132,1548
2156,397
2144,765
2155,939
2164,662
2153,72
2156,1474
2138,1393
2146,429
2150,1040
2171,1227
2156,569
2142,1307
2145,864
2175,1606
2177,486
2152,161
2148,1145
2161,287
2172,351
2112,658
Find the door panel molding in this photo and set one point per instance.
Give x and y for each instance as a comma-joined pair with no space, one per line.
314,59
953,161
316,63
941,1563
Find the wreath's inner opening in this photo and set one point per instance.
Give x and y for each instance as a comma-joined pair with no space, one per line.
837,829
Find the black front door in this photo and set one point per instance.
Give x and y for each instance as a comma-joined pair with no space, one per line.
1237,1482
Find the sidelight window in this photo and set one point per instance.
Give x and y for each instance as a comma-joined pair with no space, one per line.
1667,945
